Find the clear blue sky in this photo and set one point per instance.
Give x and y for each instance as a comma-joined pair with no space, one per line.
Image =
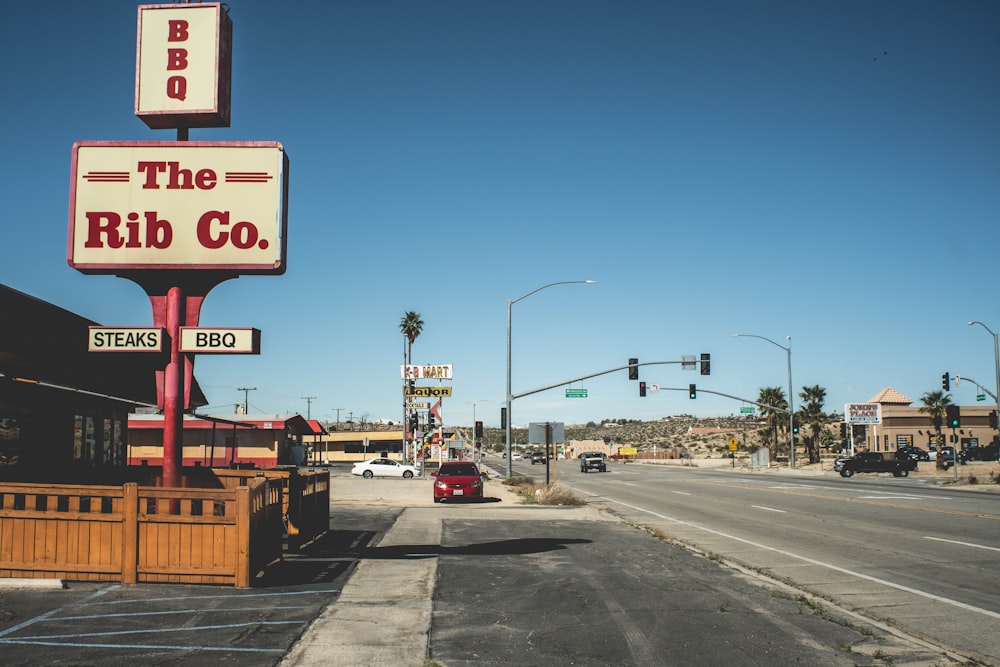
822,170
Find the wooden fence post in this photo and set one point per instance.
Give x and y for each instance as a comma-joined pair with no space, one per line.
130,533
243,536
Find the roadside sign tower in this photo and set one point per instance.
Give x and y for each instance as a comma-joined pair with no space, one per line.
180,217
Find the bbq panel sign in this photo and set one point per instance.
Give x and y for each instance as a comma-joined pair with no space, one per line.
178,205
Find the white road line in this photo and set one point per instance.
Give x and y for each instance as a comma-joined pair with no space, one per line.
682,493
182,647
964,544
237,596
154,631
813,561
769,509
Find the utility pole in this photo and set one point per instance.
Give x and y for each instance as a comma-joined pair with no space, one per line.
338,414
309,401
246,395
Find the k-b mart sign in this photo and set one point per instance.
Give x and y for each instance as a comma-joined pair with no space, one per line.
438,372
178,205
863,413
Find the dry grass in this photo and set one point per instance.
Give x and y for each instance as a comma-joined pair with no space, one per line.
535,493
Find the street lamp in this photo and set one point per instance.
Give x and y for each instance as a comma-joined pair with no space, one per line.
510,397
996,360
791,399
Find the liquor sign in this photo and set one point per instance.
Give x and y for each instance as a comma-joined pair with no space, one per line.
125,339
863,413
438,372
178,205
214,340
183,69
432,392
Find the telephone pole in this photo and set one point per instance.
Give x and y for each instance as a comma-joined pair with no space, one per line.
309,401
246,396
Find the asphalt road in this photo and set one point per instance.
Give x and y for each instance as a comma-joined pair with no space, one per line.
923,558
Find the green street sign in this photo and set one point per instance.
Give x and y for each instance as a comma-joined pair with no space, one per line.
576,393
746,411
980,397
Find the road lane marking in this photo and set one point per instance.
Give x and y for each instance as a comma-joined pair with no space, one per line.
964,544
813,561
769,509
682,493
865,501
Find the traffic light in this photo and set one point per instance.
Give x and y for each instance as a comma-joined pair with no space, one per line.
479,429
414,423
633,368
993,419
795,425
430,421
503,419
642,389
843,431
706,364
952,416
692,391
945,382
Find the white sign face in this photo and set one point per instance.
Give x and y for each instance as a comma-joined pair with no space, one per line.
183,65
440,372
863,413
178,205
213,340
125,339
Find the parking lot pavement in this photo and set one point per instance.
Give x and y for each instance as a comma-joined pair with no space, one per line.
149,624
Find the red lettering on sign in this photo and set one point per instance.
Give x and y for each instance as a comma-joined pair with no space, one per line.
177,59
103,230
244,235
177,30
177,88
177,178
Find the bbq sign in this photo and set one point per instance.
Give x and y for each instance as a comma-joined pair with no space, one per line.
183,65
178,205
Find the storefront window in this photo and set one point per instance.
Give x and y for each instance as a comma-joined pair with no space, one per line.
10,441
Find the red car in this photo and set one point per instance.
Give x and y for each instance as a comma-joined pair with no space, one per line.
457,479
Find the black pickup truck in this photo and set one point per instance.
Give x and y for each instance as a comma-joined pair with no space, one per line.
873,462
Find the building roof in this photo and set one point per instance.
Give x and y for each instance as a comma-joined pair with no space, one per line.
44,343
294,422
890,396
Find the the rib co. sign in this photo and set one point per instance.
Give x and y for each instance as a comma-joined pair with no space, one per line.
198,205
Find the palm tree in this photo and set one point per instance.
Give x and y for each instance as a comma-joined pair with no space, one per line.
811,414
936,404
411,325
770,398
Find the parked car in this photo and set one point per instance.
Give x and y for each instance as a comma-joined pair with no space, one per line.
915,453
537,457
383,467
592,461
457,479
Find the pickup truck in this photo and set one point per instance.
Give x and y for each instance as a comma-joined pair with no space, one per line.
873,462
592,461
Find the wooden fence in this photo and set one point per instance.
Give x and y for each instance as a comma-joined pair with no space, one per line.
137,534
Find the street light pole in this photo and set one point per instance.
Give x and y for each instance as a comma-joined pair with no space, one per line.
996,361
791,396
510,396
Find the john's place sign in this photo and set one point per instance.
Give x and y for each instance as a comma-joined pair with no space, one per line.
178,205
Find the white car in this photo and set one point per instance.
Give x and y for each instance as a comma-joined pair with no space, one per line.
515,457
382,467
